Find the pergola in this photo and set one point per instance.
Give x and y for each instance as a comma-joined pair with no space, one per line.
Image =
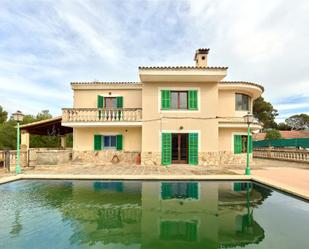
47,127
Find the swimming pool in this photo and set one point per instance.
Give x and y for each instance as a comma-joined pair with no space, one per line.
149,214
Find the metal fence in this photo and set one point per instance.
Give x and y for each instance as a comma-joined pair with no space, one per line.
292,142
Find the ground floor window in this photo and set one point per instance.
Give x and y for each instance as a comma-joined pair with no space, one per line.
105,142
241,143
109,142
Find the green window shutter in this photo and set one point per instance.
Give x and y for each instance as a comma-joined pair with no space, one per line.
100,104
166,148
237,186
237,144
119,102
250,144
166,191
97,142
191,231
119,142
192,99
193,148
100,101
165,99
192,190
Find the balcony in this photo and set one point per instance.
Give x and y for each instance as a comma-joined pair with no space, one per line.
101,117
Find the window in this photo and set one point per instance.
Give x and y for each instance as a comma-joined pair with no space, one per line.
240,144
102,142
110,102
242,102
179,100
109,142
179,190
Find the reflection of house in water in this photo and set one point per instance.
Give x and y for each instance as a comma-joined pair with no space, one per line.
164,215
107,212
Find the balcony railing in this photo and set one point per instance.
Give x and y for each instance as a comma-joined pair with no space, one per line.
101,115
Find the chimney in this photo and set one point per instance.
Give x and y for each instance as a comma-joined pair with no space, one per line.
201,57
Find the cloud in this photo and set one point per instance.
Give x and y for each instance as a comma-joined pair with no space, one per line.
46,44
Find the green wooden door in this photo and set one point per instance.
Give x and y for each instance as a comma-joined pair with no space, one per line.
237,144
193,148
100,102
166,148
119,102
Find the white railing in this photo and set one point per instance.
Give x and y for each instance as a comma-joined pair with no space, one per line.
282,154
101,115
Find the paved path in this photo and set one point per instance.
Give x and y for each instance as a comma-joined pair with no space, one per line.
292,177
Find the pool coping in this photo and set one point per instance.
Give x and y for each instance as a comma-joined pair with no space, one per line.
270,183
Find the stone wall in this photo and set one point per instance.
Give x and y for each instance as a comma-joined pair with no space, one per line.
53,157
222,158
105,157
205,158
151,158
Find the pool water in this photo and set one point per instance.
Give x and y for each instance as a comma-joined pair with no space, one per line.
145,214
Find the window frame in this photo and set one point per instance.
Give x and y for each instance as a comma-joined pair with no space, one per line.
109,147
109,98
178,100
242,102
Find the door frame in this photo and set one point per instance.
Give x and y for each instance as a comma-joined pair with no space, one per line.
179,161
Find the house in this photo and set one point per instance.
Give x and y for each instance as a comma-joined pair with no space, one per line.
173,115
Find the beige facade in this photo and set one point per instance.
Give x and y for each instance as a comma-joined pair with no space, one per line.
138,115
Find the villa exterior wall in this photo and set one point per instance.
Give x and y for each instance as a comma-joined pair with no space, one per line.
226,101
202,121
83,145
87,98
83,137
226,138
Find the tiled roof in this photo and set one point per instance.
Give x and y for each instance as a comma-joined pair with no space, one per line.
284,134
106,83
205,50
243,83
181,68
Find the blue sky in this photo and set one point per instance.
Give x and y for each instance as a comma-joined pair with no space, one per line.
44,45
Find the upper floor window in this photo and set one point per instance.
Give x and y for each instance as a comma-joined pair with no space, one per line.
242,102
110,102
179,100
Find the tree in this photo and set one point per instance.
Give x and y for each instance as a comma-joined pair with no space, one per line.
44,114
8,133
3,115
272,134
298,121
265,113
283,127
